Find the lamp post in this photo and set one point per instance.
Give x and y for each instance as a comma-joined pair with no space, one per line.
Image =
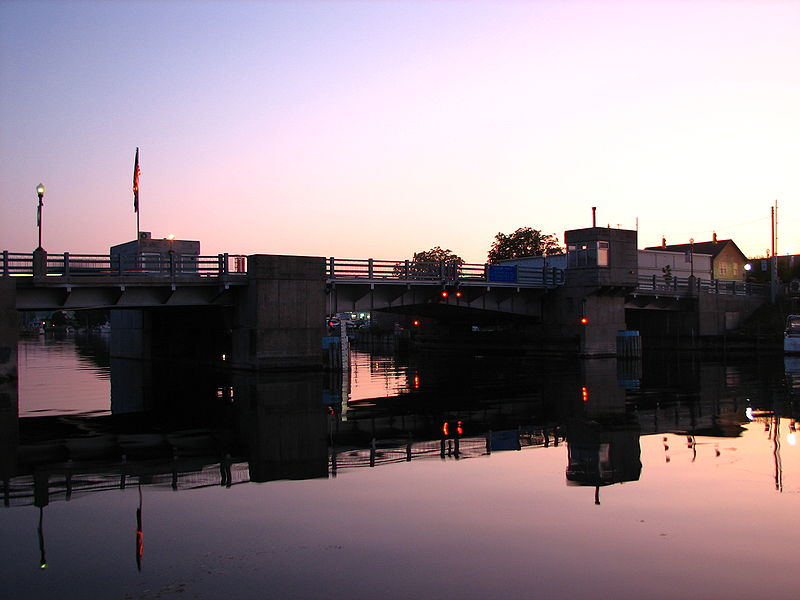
691,257
39,192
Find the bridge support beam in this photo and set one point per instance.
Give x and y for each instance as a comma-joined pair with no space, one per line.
279,318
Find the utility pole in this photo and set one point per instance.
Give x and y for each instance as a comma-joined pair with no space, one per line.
773,267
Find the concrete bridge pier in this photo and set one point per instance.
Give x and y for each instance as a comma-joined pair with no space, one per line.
8,329
9,401
590,318
132,334
279,318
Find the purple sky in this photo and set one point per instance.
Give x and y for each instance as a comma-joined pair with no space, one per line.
358,129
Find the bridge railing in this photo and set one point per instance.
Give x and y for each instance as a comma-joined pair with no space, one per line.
683,285
16,263
450,273
78,265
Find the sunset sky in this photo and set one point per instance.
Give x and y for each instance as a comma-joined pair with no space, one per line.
377,129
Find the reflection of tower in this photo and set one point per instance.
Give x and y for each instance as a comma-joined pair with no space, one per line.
602,437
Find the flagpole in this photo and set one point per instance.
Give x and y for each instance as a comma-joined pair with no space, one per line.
136,173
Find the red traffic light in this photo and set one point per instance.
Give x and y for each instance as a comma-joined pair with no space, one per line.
415,323
458,294
445,293
584,320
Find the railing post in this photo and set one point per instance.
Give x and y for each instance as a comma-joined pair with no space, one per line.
331,268
66,263
407,271
370,272
716,286
6,267
172,264
39,262
654,282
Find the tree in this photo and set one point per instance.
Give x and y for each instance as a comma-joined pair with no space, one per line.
431,263
436,254
525,241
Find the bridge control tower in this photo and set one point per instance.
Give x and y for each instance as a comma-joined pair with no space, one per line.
151,254
602,268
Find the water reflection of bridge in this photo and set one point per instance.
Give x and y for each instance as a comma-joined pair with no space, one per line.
602,450
186,432
67,468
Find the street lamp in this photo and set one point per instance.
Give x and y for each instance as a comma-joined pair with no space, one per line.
40,193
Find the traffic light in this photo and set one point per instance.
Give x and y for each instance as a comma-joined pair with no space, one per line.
584,320
444,293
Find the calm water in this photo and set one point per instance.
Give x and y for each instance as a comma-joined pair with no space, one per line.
679,476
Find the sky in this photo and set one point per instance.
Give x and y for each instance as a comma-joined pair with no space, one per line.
383,128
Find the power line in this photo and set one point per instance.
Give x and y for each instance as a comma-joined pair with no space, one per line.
723,228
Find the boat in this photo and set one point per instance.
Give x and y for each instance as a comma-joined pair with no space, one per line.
791,337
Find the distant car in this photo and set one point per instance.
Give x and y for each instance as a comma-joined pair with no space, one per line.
791,339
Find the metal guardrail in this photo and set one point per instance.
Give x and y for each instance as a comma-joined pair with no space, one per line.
403,271
368,270
683,286
16,263
79,265
383,452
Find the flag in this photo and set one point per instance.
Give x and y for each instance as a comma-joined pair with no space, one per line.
136,173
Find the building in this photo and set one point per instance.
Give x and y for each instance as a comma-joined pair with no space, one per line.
717,259
727,261
157,255
681,265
